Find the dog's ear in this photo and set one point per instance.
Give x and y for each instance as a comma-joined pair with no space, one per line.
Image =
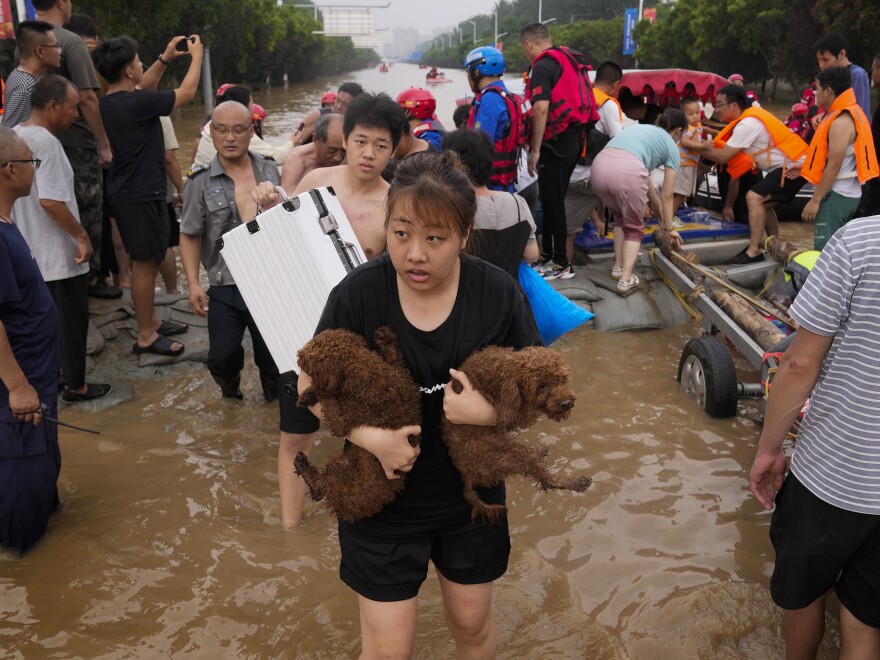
509,405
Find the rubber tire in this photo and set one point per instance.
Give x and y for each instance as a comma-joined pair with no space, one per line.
706,364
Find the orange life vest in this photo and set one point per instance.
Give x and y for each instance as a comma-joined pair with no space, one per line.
601,97
781,137
866,158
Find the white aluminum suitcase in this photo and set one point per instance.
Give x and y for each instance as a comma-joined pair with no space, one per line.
285,263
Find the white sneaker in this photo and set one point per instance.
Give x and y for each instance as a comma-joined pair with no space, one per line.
616,272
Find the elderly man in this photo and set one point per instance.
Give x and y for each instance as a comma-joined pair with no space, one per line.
49,220
30,459
326,150
218,198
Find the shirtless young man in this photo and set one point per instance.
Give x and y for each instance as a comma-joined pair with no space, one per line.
326,151
372,129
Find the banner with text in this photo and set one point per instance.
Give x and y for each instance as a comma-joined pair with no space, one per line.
630,18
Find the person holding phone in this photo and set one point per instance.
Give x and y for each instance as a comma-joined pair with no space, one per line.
136,183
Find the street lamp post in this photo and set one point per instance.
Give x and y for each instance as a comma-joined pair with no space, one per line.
474,23
540,8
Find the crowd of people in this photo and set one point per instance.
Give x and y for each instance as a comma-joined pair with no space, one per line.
445,219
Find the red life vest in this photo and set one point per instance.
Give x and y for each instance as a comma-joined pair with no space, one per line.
571,99
429,125
506,150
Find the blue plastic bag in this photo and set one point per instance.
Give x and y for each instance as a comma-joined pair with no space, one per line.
554,313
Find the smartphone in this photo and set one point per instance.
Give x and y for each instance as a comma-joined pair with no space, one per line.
183,45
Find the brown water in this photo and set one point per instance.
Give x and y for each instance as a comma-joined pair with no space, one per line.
169,543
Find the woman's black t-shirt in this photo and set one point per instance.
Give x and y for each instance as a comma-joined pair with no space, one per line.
490,309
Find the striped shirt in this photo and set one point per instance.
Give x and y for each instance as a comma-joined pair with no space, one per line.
17,101
837,455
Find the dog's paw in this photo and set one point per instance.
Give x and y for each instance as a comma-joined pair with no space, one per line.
308,398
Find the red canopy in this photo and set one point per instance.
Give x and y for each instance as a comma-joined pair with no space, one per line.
666,87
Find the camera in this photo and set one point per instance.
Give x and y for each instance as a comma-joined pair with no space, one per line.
183,44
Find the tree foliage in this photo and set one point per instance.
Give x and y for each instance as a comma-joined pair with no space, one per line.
760,39
249,40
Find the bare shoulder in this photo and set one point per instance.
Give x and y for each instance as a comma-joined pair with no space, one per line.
322,176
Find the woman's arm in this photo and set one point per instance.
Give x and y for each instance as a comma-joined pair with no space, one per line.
391,447
468,406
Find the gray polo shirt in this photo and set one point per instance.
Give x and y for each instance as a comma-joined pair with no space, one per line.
209,210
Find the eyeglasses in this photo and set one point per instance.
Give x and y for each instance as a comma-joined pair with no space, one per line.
237,131
33,161
58,46
721,105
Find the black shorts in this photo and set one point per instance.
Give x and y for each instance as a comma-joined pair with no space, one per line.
780,191
819,546
293,418
144,229
173,227
390,569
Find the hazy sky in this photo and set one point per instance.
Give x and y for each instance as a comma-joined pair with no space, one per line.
424,15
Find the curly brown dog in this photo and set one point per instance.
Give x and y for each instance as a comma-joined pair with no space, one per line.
356,387
521,385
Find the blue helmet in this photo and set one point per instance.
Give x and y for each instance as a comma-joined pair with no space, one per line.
487,61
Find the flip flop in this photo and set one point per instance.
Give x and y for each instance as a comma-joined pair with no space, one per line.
171,328
162,346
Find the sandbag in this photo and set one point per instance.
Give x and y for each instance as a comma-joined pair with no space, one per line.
554,313
579,287
633,312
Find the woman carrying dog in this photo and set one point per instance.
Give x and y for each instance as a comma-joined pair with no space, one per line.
443,305
621,176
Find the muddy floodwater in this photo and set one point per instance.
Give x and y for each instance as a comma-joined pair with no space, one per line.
169,543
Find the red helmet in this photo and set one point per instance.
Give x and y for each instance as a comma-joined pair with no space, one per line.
799,109
257,112
420,103
223,88
328,98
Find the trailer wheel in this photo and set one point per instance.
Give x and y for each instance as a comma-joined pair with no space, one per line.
707,374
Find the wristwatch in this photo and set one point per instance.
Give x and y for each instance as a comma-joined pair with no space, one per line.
161,60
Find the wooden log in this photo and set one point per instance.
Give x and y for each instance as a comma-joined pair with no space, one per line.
753,323
744,315
779,249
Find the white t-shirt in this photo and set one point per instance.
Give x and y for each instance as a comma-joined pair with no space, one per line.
752,136
171,144
52,247
610,124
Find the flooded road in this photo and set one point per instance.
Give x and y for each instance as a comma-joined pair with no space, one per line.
169,542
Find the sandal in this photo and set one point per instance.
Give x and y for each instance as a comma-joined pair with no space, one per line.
171,328
162,346
616,272
626,287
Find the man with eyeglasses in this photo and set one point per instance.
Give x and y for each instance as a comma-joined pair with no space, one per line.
754,139
38,53
136,182
49,220
30,458
327,150
218,198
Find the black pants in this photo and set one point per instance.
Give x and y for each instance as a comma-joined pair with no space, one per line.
746,182
71,298
228,316
870,204
558,158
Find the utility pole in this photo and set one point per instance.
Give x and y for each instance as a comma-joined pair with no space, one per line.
474,23
541,7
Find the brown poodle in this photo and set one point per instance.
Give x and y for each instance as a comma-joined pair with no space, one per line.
356,387
521,385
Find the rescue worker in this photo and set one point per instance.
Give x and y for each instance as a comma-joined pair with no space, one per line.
841,156
754,139
497,112
420,105
563,106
